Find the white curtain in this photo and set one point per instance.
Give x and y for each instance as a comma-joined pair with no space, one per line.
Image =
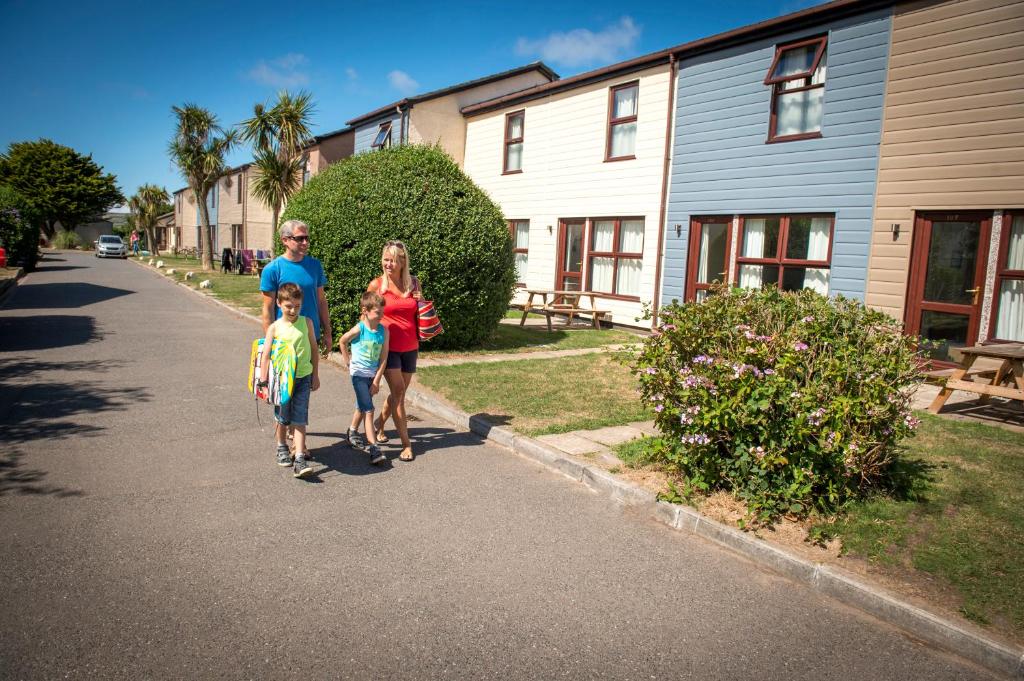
816,279
799,112
702,255
1010,320
628,281
817,243
523,234
601,271
604,236
515,127
795,60
753,239
625,102
521,263
515,156
623,139
631,236
751,276
1015,254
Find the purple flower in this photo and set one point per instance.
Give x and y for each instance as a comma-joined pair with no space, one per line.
650,371
769,372
703,359
668,327
659,408
808,318
800,345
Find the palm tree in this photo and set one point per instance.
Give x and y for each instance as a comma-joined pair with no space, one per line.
198,149
278,136
146,206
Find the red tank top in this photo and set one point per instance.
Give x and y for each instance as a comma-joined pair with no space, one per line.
400,321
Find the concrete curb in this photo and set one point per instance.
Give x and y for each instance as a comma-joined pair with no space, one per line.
826,580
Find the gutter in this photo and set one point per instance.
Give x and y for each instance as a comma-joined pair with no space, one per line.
662,226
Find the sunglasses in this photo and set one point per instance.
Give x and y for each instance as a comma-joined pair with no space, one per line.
396,244
300,239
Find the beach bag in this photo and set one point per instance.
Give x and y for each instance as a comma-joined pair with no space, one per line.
281,379
427,320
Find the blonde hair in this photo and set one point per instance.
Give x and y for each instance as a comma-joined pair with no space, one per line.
398,251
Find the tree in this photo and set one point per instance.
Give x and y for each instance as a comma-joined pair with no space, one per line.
278,135
149,203
58,184
198,149
19,234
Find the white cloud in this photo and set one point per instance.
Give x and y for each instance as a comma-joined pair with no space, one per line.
403,82
352,73
582,46
283,72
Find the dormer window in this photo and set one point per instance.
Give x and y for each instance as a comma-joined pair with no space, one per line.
797,79
383,138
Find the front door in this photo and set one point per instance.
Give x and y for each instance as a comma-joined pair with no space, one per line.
947,278
708,259
570,255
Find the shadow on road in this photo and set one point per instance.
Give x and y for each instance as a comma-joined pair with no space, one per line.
45,332
57,268
62,295
14,478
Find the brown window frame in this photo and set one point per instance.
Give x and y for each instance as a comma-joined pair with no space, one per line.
513,140
1002,272
612,121
386,142
777,83
780,260
589,254
512,231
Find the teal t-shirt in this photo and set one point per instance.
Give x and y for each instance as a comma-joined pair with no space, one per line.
366,349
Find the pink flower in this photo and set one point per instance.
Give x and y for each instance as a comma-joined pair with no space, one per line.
800,345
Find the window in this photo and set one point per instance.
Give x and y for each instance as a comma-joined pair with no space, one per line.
239,188
1008,317
305,172
237,241
514,124
622,111
383,138
520,230
615,256
797,78
793,252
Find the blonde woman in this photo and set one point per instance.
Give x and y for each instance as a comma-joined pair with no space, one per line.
400,291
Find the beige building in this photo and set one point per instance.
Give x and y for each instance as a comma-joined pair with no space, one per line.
578,168
947,251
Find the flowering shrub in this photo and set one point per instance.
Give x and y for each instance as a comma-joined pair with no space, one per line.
793,401
18,234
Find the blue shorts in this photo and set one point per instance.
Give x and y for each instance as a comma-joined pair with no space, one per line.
364,400
296,411
406,361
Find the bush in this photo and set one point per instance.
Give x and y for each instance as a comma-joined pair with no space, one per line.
458,241
794,402
64,239
18,234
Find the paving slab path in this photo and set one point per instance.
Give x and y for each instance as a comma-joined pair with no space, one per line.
147,532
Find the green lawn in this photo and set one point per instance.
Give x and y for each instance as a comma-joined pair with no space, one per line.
239,290
514,339
960,520
541,396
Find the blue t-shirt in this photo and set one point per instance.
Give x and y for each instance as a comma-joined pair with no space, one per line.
366,351
308,273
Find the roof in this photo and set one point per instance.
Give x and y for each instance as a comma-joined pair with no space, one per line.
328,135
534,66
788,22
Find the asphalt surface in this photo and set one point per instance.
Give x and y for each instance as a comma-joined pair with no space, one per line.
147,533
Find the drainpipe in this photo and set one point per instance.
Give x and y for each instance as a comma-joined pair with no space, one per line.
670,118
401,111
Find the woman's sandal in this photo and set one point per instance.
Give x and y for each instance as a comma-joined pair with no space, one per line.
407,454
381,438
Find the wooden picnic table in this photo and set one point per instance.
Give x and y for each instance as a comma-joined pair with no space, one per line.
562,302
1011,369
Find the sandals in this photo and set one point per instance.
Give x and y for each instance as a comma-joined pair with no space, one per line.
378,434
407,454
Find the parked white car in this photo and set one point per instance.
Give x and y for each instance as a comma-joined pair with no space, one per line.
111,246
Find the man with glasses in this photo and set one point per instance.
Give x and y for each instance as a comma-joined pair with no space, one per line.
296,266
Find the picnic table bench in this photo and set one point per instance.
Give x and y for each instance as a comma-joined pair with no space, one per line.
1011,369
568,303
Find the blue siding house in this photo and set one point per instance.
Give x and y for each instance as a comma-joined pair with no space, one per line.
369,132
775,160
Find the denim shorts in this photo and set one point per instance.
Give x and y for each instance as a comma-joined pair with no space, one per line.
406,361
364,400
296,411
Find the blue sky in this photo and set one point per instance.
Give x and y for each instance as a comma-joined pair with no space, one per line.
102,77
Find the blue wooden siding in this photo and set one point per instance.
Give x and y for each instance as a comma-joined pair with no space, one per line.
722,166
365,133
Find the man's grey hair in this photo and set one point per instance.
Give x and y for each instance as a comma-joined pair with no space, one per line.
288,227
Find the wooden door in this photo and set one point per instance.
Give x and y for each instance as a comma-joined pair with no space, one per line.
947,279
708,259
569,275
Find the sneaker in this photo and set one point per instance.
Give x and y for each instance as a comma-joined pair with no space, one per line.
300,468
284,456
376,456
356,441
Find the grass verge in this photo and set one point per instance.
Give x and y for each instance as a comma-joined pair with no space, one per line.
239,290
542,396
514,339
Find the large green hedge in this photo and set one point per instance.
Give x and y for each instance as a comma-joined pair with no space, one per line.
18,234
458,242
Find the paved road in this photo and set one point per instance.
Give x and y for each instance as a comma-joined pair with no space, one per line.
147,532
